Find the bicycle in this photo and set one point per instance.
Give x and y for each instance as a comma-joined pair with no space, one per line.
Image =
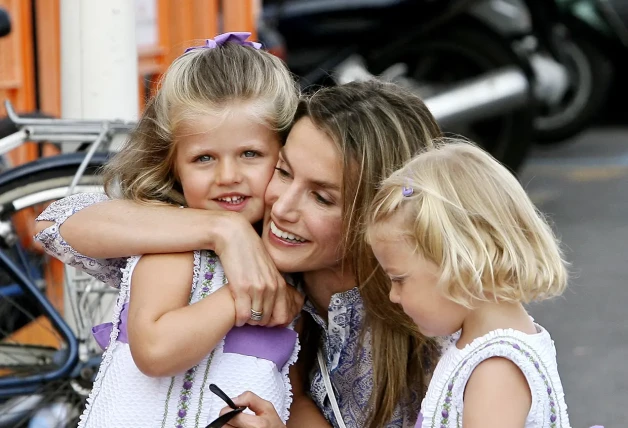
45,362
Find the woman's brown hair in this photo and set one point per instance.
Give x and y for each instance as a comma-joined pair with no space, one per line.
377,127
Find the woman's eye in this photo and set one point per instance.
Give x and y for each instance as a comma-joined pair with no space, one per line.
322,200
282,172
203,158
250,154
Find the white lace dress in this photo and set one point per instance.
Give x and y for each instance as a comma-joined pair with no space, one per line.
124,397
534,354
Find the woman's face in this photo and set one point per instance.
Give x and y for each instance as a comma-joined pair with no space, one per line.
303,221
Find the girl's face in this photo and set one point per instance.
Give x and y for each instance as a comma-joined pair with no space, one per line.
414,282
303,222
226,164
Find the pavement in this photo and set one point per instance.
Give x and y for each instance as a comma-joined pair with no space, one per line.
583,187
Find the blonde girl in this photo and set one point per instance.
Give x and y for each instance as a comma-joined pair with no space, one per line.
208,140
465,249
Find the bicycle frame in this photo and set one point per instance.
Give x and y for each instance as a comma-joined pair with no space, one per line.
60,130
11,386
100,133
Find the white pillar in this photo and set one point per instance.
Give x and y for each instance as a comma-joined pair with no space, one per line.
98,59
99,80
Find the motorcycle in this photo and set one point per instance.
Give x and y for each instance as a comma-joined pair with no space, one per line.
600,28
475,81
586,35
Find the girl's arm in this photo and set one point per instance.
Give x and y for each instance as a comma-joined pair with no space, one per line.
496,396
48,226
92,233
98,227
167,335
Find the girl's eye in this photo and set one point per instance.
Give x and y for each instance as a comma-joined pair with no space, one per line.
203,158
251,154
397,280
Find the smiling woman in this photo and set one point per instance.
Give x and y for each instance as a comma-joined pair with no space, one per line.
306,204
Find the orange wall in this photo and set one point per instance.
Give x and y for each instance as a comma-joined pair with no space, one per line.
179,22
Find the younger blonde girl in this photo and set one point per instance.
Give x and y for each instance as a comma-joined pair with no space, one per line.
465,249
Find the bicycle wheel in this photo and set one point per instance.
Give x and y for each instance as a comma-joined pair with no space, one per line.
30,345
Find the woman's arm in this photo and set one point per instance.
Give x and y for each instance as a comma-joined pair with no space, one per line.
497,395
304,413
266,415
166,334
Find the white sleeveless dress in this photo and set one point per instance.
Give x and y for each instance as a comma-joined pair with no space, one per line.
122,396
534,354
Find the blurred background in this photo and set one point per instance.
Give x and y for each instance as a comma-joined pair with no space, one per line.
536,82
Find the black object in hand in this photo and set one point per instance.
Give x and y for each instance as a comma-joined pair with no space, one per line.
222,420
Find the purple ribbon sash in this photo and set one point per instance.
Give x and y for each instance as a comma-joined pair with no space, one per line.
102,332
274,344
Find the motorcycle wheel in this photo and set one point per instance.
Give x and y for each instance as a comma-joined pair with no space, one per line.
462,52
591,77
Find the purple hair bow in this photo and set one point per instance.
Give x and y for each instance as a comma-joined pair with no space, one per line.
232,37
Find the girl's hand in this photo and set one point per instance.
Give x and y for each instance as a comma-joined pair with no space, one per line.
265,414
253,278
291,302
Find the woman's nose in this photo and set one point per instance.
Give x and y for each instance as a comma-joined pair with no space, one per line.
285,205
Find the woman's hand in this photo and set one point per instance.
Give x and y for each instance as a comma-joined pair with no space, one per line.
265,414
254,280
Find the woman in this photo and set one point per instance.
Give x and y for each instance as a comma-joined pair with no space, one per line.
344,141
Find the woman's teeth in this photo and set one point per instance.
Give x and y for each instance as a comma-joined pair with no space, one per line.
284,235
232,199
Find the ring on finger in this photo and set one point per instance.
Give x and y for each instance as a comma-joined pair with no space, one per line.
256,315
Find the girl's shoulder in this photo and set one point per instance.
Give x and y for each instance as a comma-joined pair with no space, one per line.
533,354
155,267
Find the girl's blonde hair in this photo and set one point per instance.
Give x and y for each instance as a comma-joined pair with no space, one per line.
202,81
469,215
377,127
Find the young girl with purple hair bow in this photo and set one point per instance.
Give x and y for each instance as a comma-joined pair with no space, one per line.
209,139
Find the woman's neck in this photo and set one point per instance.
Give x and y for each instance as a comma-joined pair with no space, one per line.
320,285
